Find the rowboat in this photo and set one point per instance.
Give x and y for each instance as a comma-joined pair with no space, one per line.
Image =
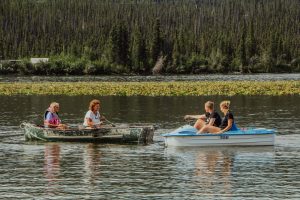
187,136
131,133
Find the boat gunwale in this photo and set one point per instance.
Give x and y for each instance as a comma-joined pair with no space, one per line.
268,132
88,129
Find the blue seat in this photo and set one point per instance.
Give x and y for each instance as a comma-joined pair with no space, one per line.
234,127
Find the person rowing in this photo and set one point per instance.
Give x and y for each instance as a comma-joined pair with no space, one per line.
211,117
92,118
51,118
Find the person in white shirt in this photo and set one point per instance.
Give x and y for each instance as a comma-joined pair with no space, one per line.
93,118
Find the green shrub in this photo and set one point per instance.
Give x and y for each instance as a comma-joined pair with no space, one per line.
295,64
41,68
75,68
196,64
7,68
102,67
90,69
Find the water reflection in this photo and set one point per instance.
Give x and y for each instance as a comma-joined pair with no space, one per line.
92,158
52,166
52,170
221,171
214,165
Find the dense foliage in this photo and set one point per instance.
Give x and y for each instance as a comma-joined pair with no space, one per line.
198,88
130,36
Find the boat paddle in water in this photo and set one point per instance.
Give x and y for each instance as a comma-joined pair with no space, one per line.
187,136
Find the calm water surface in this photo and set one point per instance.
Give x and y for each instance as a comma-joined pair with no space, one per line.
30,170
202,77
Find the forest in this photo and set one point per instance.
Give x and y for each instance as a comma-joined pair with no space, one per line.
97,37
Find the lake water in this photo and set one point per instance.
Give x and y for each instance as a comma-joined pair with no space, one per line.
35,170
203,77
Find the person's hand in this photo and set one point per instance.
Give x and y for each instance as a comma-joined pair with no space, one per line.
62,126
220,132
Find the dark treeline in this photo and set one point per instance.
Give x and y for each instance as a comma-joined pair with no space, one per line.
133,36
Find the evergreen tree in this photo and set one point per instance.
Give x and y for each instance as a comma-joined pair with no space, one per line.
242,49
119,45
177,31
251,43
176,55
139,52
123,45
156,42
114,49
2,56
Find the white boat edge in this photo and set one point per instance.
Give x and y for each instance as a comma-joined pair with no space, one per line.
263,137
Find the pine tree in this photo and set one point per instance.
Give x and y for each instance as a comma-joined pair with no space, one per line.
242,50
53,28
251,43
139,52
113,45
156,43
123,45
2,55
176,60
118,49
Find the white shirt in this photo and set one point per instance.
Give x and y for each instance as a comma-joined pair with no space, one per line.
90,115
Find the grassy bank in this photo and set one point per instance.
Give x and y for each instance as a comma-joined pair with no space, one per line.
153,88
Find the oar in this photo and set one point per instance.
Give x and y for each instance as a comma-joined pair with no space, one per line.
112,124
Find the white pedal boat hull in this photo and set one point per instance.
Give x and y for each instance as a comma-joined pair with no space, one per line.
186,136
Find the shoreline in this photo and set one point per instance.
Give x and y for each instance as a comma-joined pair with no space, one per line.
175,88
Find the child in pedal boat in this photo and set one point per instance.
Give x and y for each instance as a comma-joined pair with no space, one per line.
211,117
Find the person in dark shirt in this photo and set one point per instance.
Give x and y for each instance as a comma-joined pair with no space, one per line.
227,122
228,117
211,117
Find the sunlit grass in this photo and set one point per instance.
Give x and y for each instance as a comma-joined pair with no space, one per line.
200,88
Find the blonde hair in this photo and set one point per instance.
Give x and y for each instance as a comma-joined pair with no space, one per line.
225,104
53,104
93,103
210,104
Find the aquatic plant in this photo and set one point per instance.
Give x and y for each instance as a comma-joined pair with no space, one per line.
200,88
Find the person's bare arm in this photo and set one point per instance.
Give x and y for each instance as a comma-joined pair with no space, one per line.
90,122
230,122
211,121
187,117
